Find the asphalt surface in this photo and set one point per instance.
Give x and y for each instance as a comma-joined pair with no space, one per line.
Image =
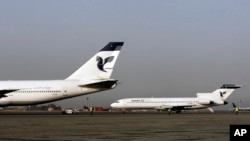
110,126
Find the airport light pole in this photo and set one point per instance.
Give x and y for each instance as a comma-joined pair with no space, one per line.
87,98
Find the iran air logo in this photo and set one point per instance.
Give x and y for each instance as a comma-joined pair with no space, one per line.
101,62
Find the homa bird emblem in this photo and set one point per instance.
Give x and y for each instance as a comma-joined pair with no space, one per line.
101,62
222,93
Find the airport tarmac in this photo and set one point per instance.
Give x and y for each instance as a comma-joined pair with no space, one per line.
109,126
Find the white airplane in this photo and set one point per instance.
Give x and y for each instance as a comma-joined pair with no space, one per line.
243,109
93,76
203,100
70,111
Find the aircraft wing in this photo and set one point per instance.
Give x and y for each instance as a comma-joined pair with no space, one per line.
164,107
173,107
3,92
110,83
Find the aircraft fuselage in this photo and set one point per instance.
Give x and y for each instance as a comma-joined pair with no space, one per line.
36,92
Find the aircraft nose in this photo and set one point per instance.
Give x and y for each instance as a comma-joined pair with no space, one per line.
113,105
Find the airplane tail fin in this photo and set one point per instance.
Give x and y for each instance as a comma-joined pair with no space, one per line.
234,105
226,90
101,65
220,95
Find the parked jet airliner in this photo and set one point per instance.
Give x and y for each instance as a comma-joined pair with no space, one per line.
93,76
243,109
203,100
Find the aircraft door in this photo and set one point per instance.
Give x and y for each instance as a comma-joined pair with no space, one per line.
64,92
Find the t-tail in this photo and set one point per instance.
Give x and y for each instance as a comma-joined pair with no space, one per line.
100,66
219,96
226,90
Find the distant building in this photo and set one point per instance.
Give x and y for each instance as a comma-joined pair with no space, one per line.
53,107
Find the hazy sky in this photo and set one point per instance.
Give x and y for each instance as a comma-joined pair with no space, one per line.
173,48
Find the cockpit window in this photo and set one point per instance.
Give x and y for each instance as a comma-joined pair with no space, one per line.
117,101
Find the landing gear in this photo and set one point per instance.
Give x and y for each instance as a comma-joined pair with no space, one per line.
169,111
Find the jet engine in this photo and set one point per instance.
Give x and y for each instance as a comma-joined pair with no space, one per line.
204,101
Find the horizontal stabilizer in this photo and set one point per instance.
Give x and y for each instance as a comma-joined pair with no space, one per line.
230,86
100,84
